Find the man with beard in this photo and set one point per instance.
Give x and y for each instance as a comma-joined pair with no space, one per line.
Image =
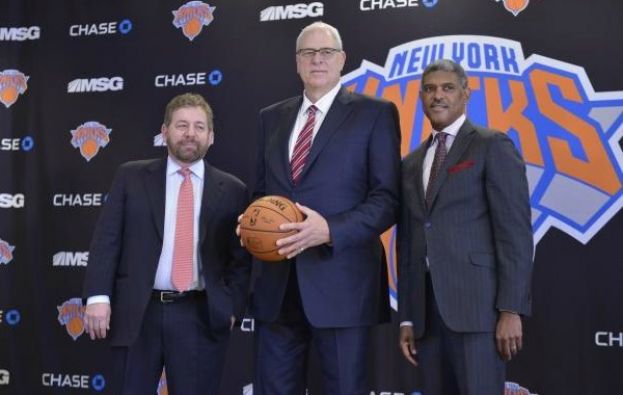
166,276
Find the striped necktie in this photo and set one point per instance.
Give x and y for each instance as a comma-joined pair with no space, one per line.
303,145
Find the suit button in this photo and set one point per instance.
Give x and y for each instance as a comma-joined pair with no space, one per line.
428,225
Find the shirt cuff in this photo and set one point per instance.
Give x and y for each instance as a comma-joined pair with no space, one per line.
406,323
98,299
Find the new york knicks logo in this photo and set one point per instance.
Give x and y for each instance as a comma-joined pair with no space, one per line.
90,137
71,315
162,384
192,17
567,133
12,84
511,388
6,252
514,6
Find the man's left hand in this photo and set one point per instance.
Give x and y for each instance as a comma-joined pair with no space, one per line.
508,335
313,231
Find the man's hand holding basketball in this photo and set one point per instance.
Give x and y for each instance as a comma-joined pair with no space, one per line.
313,231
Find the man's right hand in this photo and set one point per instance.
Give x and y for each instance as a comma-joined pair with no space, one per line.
97,320
407,344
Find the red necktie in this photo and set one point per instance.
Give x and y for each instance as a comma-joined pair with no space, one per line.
182,271
440,155
303,145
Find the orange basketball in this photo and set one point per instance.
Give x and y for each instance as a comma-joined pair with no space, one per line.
259,227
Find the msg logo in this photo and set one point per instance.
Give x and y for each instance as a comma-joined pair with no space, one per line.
567,133
11,201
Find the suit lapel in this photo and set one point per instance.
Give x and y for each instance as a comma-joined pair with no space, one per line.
338,112
278,153
155,183
212,193
461,142
418,163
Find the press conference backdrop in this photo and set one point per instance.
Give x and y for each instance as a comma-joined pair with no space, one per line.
83,84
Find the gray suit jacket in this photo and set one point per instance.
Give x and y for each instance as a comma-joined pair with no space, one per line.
477,234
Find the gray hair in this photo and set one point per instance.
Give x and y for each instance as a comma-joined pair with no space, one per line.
320,26
449,66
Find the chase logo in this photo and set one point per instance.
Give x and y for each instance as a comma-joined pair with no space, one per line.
159,140
511,388
71,315
192,17
78,381
11,317
20,33
26,144
100,29
372,5
567,133
514,6
189,79
90,137
12,84
6,252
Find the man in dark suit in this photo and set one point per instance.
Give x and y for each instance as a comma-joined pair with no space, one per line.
464,245
166,273
336,153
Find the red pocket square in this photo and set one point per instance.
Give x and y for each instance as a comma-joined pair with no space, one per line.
461,166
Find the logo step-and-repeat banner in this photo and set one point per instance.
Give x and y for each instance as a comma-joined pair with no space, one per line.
83,87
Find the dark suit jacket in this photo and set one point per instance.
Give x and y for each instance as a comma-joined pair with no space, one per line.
127,243
352,179
477,235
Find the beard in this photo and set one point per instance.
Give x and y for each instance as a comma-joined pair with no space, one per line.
187,151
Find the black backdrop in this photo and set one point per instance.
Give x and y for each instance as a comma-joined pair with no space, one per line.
561,101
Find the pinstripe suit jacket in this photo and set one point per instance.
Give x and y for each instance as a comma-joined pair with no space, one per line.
477,234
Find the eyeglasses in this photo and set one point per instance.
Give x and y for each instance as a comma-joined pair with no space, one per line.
325,53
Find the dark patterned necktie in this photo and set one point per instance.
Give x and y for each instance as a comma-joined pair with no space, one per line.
440,155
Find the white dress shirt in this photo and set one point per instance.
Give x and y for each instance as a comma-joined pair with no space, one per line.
174,180
452,130
323,104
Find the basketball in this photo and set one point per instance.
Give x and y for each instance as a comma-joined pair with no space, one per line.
259,227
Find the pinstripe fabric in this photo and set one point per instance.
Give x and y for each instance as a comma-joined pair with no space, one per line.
476,234
182,271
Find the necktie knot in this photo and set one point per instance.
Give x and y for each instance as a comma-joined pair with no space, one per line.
311,110
441,137
185,172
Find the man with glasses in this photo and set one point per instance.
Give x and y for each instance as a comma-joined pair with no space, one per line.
337,154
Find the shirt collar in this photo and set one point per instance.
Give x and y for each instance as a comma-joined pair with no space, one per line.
197,168
453,128
324,103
